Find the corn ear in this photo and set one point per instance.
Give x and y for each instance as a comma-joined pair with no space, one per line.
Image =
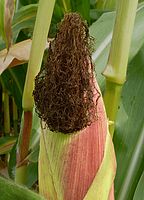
80,165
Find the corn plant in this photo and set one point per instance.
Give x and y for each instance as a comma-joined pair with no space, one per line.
71,86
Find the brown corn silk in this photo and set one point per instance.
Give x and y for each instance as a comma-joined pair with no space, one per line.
64,85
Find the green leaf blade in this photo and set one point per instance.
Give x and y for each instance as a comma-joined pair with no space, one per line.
6,144
10,190
129,134
2,18
139,193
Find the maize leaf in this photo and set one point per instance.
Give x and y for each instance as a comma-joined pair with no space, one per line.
6,144
18,54
10,191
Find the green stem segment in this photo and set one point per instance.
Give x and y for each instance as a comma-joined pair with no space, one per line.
6,112
116,69
5,99
106,4
25,136
15,117
42,24
21,170
66,5
111,99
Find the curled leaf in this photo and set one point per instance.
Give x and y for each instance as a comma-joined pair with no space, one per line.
18,54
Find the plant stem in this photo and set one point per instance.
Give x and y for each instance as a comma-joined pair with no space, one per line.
6,112
116,69
21,171
66,5
15,117
21,175
25,135
42,24
5,99
106,4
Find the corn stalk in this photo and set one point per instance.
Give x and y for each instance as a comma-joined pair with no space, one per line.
42,24
106,4
116,69
15,117
5,100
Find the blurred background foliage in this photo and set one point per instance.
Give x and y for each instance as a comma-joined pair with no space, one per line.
129,131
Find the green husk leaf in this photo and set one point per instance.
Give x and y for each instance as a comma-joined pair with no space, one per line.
101,186
46,184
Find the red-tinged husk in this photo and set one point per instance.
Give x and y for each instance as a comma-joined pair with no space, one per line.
111,194
84,156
